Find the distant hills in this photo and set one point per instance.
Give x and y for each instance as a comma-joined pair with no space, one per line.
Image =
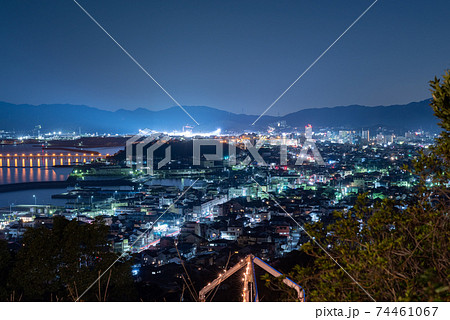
410,116
66,117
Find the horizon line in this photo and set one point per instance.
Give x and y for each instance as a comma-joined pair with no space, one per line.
216,108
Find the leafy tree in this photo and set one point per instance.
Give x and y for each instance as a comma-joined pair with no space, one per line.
5,267
58,264
395,250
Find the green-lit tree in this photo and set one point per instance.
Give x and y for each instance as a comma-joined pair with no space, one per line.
396,251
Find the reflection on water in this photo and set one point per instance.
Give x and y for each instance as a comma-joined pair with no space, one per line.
19,175
42,196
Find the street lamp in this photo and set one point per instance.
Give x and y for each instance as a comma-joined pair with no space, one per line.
10,209
35,199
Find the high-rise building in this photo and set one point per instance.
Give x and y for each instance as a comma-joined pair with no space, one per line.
390,139
380,139
365,135
308,131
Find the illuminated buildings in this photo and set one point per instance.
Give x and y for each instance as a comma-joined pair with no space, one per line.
365,136
308,131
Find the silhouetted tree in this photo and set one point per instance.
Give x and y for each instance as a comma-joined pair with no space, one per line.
5,268
58,264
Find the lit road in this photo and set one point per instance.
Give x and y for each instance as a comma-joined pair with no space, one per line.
155,242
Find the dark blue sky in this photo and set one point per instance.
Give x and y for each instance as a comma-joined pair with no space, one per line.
233,55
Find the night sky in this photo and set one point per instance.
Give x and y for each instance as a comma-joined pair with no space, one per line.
233,55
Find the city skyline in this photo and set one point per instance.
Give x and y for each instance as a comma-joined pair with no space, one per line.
236,151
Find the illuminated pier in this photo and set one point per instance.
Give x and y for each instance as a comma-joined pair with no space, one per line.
46,159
